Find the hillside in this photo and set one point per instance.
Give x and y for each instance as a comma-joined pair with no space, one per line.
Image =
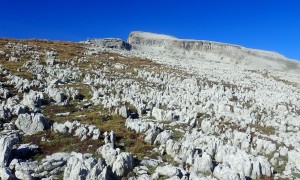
154,107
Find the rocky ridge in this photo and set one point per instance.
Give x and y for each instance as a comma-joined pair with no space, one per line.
191,110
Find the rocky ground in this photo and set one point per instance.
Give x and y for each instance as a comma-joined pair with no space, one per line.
100,110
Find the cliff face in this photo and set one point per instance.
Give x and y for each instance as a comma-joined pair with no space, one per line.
209,50
200,46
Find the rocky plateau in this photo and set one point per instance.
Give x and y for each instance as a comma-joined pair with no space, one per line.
154,107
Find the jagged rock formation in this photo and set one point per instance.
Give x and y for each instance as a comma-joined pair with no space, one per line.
111,43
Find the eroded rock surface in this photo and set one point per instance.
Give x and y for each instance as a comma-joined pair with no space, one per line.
190,110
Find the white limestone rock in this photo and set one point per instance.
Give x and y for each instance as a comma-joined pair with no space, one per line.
81,132
224,172
82,166
123,111
149,162
207,127
137,125
25,170
170,171
203,164
33,99
265,146
294,159
163,137
6,142
6,174
123,164
110,43
159,114
108,153
31,123
59,128
151,135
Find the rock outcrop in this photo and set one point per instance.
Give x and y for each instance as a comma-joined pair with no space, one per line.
168,46
31,123
110,43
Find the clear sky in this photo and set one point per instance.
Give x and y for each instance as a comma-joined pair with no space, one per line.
262,24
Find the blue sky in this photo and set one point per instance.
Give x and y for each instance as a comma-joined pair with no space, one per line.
262,24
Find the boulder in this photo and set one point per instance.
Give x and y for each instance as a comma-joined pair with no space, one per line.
108,153
31,123
59,128
33,99
82,166
224,172
137,125
123,164
203,164
111,43
53,161
123,112
6,142
81,132
159,114
163,137
151,135
169,171
25,170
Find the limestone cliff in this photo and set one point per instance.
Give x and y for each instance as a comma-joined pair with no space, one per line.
212,51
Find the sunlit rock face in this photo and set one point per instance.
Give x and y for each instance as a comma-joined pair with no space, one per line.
162,45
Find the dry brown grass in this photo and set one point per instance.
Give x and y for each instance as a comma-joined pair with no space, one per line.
126,139
264,129
56,142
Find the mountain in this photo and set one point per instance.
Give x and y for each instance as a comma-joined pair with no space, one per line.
213,52
154,107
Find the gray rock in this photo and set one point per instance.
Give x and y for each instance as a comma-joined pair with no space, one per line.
82,166
9,126
123,164
163,137
6,142
96,134
224,172
169,171
150,162
151,135
33,99
25,170
95,171
62,114
31,123
203,164
123,111
59,128
108,153
110,43
6,174
137,125
81,132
